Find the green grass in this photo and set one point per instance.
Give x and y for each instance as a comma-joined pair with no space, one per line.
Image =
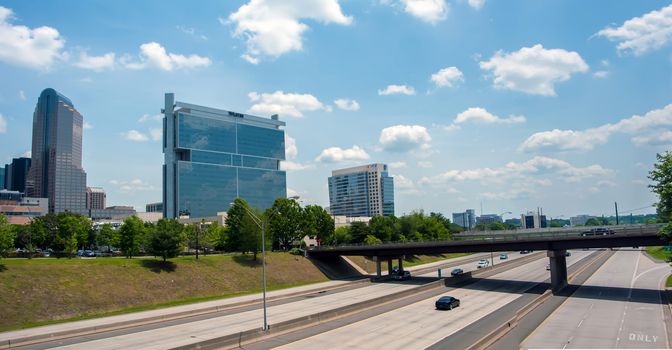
668,283
46,291
658,252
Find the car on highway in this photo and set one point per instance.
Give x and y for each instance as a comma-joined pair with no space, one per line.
598,231
402,276
482,263
524,251
503,256
447,302
548,267
456,272
567,253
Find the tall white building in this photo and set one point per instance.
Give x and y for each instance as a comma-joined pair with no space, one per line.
362,191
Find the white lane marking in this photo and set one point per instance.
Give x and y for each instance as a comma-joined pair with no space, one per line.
627,302
580,323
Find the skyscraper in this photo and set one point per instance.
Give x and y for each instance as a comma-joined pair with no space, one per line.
213,156
56,170
365,190
16,173
95,198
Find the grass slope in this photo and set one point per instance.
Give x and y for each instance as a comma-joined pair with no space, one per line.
658,252
41,291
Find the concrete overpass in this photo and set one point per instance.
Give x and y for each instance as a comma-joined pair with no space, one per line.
555,241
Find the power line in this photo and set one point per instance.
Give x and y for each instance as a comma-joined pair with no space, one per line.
642,208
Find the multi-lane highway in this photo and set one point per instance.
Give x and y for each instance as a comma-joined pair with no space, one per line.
419,325
620,306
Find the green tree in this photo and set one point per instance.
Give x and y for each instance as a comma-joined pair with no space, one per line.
43,231
661,175
131,235
341,236
107,237
381,227
370,239
359,231
216,236
234,222
166,240
195,236
318,223
497,226
6,237
73,230
287,223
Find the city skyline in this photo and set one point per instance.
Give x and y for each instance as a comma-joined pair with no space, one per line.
450,111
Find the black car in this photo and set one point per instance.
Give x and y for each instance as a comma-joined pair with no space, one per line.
402,275
447,303
599,231
456,272
524,251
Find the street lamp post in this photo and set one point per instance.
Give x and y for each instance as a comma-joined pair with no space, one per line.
261,224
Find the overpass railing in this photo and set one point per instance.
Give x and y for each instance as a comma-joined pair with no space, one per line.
498,236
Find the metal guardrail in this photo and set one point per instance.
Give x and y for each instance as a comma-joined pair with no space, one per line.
499,236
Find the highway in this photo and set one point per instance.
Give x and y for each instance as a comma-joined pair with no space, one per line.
419,325
619,306
184,332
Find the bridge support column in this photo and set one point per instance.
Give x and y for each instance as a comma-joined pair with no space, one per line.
378,270
389,267
558,264
401,264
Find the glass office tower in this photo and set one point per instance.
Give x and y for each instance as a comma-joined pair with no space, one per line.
56,168
213,156
362,191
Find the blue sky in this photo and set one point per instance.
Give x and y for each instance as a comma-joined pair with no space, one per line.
512,104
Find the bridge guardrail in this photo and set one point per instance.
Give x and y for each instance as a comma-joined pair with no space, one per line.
498,236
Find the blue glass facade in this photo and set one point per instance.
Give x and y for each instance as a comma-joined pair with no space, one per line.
214,156
363,191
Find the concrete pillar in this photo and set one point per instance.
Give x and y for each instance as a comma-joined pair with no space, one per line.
378,271
389,267
558,264
401,264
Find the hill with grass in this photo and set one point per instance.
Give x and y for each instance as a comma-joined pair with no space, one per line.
41,291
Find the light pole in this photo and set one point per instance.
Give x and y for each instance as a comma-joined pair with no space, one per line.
261,224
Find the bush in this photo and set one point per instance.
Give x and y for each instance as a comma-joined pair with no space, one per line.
296,251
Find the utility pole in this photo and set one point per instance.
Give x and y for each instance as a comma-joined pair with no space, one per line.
616,206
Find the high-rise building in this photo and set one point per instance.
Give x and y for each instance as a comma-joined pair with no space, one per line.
213,156
488,219
56,170
580,220
533,220
2,178
154,207
467,219
16,174
361,191
95,198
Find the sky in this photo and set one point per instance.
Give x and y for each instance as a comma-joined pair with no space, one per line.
501,105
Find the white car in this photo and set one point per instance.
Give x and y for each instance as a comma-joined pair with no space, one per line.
483,263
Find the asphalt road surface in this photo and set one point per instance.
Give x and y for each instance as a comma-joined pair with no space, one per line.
620,306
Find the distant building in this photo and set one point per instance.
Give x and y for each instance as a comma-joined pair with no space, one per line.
2,178
580,220
466,220
95,198
21,210
362,191
111,213
150,217
213,156
533,220
345,221
488,219
14,196
154,207
56,169
16,173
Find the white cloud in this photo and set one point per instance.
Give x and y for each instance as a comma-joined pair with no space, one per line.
3,124
134,135
397,89
274,27
397,165
601,74
476,4
401,138
22,95
430,11
403,183
288,165
425,164
286,105
565,140
291,151
447,77
191,31
522,172
640,35
512,194
480,115
156,134
87,125
533,70
27,154
36,48
132,185
96,63
658,138
339,155
154,55
148,117
347,105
